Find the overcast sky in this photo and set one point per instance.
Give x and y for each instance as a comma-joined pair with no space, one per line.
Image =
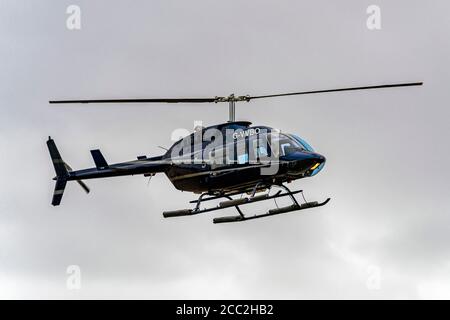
386,231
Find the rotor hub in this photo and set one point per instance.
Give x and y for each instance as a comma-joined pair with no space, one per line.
232,97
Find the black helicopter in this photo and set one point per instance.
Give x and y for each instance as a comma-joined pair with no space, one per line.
232,159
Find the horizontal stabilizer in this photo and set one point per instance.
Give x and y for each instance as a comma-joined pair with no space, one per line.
99,160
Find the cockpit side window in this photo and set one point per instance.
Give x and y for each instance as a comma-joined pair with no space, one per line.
285,148
216,157
258,148
242,151
221,156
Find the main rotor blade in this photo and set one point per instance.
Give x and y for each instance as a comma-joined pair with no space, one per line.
231,97
337,90
162,100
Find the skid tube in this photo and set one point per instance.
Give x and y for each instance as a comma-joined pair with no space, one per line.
242,201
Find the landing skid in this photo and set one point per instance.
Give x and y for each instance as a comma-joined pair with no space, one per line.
253,198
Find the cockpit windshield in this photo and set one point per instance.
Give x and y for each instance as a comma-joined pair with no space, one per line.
283,145
303,142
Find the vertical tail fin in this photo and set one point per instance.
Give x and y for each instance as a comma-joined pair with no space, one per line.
59,191
62,170
58,163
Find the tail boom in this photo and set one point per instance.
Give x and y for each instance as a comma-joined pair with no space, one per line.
64,173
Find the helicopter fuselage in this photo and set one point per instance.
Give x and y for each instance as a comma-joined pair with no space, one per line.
244,166
239,157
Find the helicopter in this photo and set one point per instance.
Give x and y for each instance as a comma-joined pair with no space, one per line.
234,162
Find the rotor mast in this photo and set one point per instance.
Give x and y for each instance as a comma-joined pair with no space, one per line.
232,99
231,109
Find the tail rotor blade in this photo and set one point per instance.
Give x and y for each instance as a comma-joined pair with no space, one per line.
81,183
84,186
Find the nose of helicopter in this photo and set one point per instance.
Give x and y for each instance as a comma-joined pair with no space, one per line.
320,158
307,163
318,165
316,160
